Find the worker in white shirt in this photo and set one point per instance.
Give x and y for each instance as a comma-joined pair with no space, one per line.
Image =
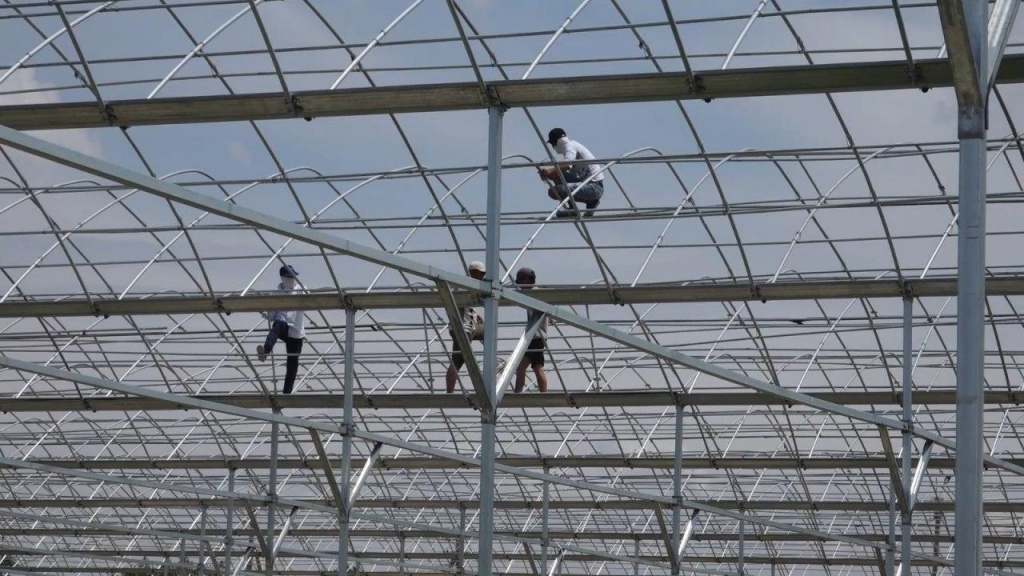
574,173
473,324
288,326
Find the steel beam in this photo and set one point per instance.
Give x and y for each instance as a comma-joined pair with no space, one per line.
513,360
838,463
964,27
572,91
414,401
342,496
489,393
360,480
937,287
417,504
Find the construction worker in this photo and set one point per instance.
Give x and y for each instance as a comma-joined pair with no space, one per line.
574,173
287,326
473,324
534,357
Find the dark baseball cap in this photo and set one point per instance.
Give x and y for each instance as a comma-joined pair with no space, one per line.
526,276
554,135
288,272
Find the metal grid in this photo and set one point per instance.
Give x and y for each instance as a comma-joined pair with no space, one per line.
753,344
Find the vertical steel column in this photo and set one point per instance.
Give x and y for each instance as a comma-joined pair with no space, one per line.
346,442
890,554
460,558
677,491
229,540
970,331
272,494
908,441
742,551
636,553
202,540
487,417
545,509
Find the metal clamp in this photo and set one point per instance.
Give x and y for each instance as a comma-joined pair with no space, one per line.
489,98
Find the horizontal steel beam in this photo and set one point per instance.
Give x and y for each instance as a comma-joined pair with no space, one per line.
434,463
553,534
561,296
417,504
534,400
807,560
572,91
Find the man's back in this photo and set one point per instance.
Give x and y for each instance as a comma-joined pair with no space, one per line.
573,150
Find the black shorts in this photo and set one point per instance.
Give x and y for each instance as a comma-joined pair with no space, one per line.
535,353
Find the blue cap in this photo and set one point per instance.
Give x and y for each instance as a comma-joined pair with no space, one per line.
288,272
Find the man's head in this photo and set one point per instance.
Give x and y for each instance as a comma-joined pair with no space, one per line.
555,135
289,276
526,277
477,270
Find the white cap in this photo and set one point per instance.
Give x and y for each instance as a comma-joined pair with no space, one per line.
478,266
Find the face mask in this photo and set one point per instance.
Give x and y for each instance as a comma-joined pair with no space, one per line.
289,283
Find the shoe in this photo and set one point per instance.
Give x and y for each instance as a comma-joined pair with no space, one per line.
590,208
568,213
261,353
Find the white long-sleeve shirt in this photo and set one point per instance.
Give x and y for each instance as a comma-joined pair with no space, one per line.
295,319
573,150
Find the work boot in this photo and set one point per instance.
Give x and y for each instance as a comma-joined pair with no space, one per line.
590,208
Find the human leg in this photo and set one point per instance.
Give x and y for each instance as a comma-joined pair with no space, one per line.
277,330
294,348
520,374
452,376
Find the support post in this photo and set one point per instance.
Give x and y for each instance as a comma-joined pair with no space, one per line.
908,441
346,442
890,554
493,278
229,538
460,558
201,569
677,491
970,332
275,432
545,510
742,552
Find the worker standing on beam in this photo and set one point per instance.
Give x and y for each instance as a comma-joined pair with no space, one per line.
287,326
574,173
534,357
473,324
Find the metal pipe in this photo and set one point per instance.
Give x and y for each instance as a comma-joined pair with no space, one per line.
202,541
544,523
374,42
677,490
1004,13
272,494
908,440
890,537
460,559
742,551
346,442
970,334
229,537
492,278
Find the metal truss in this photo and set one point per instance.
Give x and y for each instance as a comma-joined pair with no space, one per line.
737,337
